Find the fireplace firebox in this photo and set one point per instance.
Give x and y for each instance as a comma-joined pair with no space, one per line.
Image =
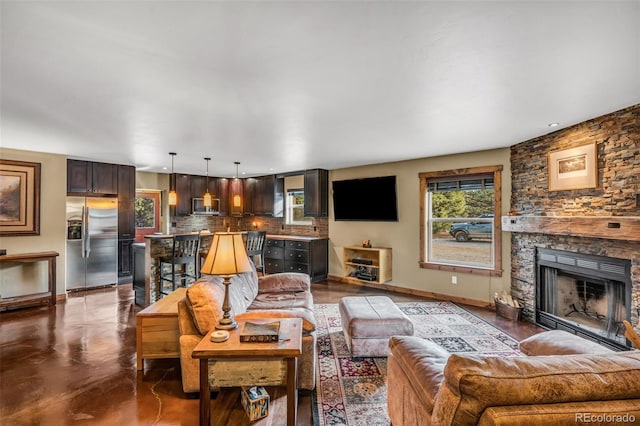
586,295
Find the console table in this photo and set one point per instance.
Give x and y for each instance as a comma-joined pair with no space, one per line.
37,298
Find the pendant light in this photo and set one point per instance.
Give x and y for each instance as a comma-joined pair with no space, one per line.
206,199
173,197
237,201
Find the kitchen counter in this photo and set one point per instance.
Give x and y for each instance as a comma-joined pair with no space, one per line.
293,237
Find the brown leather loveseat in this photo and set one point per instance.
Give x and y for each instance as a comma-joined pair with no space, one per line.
564,380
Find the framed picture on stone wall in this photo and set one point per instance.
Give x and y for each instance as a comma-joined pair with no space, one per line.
19,198
573,168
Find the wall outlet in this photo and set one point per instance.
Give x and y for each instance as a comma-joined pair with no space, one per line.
454,279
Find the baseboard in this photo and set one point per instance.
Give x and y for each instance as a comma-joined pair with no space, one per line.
414,292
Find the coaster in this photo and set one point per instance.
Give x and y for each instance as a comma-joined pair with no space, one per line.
219,336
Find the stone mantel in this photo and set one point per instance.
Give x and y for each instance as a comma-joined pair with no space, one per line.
625,228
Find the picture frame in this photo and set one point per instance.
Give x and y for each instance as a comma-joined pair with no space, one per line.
573,168
19,198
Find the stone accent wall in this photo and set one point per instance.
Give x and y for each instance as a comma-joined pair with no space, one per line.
617,137
273,225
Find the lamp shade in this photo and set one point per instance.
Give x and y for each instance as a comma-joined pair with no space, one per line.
227,255
173,198
206,200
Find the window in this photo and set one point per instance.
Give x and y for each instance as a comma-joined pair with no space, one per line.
147,213
295,208
460,223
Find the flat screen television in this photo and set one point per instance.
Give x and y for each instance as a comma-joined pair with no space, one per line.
368,199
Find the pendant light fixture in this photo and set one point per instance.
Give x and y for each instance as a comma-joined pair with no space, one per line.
173,197
237,201
206,199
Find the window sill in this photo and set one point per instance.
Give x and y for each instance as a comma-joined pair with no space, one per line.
462,269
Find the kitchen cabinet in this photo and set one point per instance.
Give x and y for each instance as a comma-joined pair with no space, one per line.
236,197
126,218
125,257
182,186
222,192
268,197
297,254
249,189
126,202
91,178
316,193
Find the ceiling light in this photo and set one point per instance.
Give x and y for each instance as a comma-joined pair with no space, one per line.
553,124
206,200
237,201
173,197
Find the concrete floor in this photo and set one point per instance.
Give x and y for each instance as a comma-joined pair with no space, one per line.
75,364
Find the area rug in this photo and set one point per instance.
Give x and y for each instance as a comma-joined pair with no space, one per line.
352,391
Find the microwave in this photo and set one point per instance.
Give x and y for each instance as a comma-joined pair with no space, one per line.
197,206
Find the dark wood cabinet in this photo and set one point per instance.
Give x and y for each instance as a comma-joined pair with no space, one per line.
125,257
126,218
264,195
222,192
316,193
236,197
183,190
91,178
308,256
249,189
198,186
126,202
268,196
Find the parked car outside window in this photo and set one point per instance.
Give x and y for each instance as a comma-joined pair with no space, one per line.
467,231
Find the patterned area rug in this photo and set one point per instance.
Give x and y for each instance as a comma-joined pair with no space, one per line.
352,391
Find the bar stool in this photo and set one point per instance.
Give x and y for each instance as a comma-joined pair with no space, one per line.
184,254
255,247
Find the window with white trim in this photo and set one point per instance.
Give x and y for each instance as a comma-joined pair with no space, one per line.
295,208
460,224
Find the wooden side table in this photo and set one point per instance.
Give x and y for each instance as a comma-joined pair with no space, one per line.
232,363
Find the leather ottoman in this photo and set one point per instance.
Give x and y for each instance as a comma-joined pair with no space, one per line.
368,323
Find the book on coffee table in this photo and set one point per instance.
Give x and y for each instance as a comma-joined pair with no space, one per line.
264,333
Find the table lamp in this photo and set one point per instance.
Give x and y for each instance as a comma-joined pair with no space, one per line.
227,257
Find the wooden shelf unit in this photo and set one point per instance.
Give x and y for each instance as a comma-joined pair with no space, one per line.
380,267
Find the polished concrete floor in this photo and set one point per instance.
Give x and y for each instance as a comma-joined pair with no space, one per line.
75,364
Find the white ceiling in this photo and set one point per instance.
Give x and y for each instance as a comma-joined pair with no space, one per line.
284,86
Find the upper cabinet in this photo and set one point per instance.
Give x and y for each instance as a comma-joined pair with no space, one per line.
126,200
268,196
316,193
249,189
182,186
90,178
236,197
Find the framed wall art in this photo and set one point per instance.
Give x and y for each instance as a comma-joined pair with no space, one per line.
573,168
19,198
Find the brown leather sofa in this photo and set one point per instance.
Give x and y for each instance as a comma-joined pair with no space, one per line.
564,379
285,295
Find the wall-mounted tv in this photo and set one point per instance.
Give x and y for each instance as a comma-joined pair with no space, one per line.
368,199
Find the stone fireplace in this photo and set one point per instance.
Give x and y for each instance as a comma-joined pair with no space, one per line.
603,221
586,295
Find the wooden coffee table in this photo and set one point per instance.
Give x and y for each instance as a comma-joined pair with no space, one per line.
232,363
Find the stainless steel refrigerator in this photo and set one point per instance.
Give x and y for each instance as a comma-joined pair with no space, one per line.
92,242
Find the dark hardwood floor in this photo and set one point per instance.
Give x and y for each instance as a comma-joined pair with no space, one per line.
76,364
